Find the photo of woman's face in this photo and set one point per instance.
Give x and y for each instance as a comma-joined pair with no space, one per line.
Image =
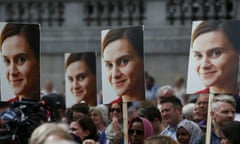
215,59
81,80
124,67
22,67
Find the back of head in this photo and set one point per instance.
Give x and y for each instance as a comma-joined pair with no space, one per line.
41,133
160,139
187,110
150,113
165,91
231,131
80,107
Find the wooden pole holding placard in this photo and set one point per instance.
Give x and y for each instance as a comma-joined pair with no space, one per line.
209,120
125,120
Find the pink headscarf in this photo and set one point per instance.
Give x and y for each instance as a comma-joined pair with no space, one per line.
147,126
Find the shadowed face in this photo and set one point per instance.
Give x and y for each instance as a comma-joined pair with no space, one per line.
136,133
22,67
124,66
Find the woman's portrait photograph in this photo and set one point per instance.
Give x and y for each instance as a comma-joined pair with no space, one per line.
80,78
214,57
123,64
20,61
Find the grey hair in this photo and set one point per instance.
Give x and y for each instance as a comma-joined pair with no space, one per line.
222,98
166,88
103,110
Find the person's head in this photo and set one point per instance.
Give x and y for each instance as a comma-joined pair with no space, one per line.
171,110
139,129
149,81
179,81
19,45
153,115
81,74
202,105
99,115
48,86
187,111
230,133
188,132
223,109
115,110
79,110
216,46
122,51
160,139
164,91
132,112
85,128
49,131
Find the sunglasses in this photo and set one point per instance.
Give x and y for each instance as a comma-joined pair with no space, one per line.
137,132
115,109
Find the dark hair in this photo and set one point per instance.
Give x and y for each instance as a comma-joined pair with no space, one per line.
137,119
88,57
150,113
172,99
80,107
110,106
133,34
30,31
230,28
86,123
231,131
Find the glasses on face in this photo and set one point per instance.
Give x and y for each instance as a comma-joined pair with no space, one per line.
115,109
137,132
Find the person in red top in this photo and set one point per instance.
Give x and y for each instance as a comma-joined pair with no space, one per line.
20,51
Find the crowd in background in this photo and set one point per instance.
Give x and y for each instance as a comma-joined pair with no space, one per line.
167,115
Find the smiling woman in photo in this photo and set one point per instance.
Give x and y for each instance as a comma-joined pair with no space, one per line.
80,69
215,49
122,52
20,52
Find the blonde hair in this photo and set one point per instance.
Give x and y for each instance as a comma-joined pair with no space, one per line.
160,139
41,133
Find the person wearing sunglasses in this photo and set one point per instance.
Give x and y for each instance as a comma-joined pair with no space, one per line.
114,131
139,129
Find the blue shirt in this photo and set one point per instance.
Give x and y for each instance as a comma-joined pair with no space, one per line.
169,131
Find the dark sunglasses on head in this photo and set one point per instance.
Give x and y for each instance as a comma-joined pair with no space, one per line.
132,131
115,109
